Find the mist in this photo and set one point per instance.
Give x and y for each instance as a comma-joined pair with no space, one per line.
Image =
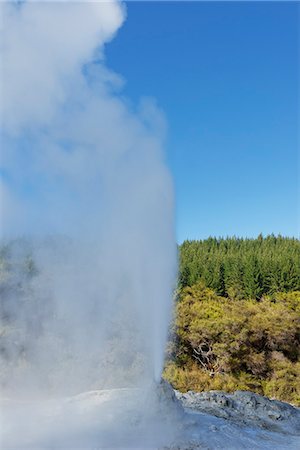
87,224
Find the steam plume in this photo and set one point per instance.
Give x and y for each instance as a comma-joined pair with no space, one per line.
84,179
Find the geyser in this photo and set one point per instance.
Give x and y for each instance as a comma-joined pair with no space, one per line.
86,296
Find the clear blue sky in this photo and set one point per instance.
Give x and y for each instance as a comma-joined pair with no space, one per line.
226,76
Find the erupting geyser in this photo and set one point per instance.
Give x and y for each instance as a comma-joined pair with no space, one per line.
87,293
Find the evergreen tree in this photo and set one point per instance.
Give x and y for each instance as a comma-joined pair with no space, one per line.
238,267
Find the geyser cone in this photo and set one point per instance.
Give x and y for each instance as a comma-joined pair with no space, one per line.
142,418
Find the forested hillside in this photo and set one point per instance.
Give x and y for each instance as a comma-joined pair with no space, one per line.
237,317
242,268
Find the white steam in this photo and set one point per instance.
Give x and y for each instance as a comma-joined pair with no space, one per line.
83,177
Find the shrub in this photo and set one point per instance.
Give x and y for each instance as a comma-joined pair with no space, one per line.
228,344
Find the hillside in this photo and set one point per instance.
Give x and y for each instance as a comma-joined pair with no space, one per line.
237,317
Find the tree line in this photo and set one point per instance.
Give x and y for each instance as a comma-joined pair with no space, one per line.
241,268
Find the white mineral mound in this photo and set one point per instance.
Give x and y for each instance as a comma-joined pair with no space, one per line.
151,418
114,418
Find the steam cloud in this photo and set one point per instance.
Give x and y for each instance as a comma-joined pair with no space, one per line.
83,177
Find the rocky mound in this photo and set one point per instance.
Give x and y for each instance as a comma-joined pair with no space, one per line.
245,408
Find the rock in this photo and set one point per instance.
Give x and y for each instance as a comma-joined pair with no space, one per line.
167,400
245,407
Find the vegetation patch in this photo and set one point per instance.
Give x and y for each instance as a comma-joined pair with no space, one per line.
226,344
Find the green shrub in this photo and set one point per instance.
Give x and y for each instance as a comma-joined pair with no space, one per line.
229,344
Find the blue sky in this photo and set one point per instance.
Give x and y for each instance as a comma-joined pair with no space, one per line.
225,75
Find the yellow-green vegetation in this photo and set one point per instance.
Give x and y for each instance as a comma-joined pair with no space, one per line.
229,344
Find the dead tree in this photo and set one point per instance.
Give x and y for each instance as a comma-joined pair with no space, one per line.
204,355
